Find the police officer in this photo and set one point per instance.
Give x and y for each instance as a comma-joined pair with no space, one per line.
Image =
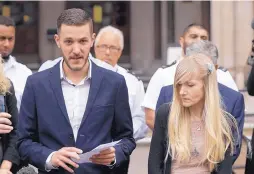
108,47
165,76
14,70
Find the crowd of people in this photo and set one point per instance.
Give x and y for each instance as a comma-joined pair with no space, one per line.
77,102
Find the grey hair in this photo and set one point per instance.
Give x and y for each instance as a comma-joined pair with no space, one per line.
113,30
203,47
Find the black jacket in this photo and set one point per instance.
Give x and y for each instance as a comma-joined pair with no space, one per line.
159,146
250,83
10,152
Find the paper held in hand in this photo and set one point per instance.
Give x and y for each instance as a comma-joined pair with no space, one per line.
84,157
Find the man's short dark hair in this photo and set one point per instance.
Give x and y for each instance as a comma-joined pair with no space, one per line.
75,17
186,30
6,21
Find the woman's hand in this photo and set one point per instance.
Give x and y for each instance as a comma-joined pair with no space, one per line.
6,165
5,123
5,171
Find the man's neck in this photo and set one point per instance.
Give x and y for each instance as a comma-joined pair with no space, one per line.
76,76
6,58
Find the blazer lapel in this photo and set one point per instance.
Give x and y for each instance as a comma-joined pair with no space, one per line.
55,81
222,93
96,79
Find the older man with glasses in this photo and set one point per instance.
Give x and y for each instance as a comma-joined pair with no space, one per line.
108,47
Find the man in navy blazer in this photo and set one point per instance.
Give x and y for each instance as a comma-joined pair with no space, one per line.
75,106
233,103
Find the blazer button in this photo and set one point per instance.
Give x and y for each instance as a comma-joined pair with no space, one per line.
71,136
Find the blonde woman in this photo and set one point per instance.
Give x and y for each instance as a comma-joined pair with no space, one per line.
9,156
193,134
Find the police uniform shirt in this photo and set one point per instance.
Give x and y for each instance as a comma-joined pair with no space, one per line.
49,64
18,74
136,95
162,77
165,76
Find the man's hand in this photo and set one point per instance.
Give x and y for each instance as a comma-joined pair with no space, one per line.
62,158
5,123
5,171
150,118
105,157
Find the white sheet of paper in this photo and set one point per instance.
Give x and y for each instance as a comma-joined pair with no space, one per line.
84,157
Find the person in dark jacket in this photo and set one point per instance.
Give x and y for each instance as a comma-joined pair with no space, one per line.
249,169
9,156
250,83
193,133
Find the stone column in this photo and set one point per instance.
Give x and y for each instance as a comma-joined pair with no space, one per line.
142,33
164,30
243,38
232,33
49,12
222,31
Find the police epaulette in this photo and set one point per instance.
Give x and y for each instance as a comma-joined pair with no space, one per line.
166,66
223,69
133,73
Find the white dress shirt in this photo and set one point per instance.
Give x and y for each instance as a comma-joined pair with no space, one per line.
18,74
75,98
165,76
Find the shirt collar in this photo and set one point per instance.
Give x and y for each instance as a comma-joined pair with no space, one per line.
10,63
116,67
62,75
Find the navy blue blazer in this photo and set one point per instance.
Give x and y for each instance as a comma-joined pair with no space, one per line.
233,102
44,125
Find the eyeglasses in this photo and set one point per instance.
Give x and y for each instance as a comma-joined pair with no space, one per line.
112,49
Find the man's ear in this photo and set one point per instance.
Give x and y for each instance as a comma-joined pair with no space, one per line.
181,41
57,40
93,39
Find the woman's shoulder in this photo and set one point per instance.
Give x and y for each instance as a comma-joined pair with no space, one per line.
11,90
162,113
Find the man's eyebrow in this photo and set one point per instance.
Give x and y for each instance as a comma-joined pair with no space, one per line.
68,38
6,36
84,37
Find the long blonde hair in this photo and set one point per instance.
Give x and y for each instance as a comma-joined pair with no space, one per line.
5,83
217,123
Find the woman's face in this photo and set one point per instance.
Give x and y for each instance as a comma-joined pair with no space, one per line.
191,91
